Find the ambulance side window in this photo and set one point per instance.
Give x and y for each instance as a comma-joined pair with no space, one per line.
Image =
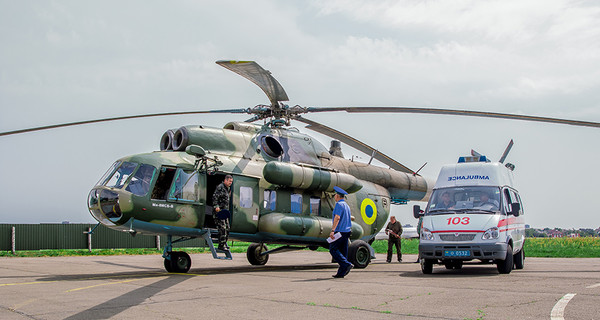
517,198
506,200
511,197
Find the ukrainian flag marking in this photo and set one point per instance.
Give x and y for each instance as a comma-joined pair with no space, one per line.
368,211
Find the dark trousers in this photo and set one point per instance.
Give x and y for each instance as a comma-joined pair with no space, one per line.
339,251
391,243
223,229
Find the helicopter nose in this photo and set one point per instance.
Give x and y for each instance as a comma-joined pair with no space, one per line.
104,206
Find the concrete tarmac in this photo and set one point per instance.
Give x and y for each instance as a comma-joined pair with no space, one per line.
293,285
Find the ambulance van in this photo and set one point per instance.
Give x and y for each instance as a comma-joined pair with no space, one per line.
474,213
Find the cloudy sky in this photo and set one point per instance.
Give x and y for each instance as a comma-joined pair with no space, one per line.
65,61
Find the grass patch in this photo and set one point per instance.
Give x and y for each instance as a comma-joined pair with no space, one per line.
584,247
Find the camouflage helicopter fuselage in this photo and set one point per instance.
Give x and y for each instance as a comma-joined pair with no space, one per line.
282,190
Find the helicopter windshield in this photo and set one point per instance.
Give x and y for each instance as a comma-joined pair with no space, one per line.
476,199
140,182
120,176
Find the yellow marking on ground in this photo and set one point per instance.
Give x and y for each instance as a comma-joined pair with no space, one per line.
22,304
130,280
98,278
23,283
104,284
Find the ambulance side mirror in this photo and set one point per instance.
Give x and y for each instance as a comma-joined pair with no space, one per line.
516,208
417,211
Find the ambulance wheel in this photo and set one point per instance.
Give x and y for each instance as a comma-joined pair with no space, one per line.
426,266
519,259
180,262
359,254
505,266
254,254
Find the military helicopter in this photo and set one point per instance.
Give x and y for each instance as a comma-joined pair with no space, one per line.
283,179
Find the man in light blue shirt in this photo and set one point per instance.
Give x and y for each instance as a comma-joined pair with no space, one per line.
342,224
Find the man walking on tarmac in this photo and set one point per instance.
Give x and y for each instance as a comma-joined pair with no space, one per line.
394,231
340,233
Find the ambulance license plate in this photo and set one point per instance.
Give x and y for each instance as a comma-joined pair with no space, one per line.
457,253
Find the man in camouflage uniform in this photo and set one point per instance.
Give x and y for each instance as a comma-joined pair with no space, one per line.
220,201
394,231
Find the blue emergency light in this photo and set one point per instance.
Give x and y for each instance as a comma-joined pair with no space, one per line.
472,159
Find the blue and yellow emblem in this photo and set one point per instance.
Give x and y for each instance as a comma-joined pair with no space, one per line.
368,211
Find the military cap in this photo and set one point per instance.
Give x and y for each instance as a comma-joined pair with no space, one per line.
340,191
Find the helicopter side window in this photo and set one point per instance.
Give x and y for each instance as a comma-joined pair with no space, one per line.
296,200
315,206
120,176
163,183
270,199
245,197
185,186
140,182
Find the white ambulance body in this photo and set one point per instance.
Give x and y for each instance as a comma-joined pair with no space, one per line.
473,213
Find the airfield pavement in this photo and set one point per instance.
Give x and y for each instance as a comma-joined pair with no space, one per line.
293,285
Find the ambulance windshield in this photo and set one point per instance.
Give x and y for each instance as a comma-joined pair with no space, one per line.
465,200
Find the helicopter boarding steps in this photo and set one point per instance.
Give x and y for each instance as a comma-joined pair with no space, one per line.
208,237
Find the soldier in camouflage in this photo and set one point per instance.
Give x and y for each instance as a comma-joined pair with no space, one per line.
221,202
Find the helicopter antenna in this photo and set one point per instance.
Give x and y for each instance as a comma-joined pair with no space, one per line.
506,151
417,172
372,156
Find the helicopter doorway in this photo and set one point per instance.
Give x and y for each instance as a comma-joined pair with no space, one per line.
212,181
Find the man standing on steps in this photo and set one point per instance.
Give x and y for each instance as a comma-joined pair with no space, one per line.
221,202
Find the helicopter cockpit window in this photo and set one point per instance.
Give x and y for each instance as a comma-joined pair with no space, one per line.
185,186
108,173
120,176
140,182
465,199
270,200
245,197
315,205
296,200
163,183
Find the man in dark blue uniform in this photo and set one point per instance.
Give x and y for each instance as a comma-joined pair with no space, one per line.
342,224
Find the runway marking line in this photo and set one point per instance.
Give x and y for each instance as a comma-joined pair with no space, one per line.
104,284
99,278
593,286
21,305
558,312
22,283
130,280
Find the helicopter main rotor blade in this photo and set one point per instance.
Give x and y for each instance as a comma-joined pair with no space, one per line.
456,113
77,123
358,145
259,76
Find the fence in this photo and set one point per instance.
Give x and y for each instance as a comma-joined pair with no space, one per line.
15,237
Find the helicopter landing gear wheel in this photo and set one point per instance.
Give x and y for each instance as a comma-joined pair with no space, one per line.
359,254
180,262
254,254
